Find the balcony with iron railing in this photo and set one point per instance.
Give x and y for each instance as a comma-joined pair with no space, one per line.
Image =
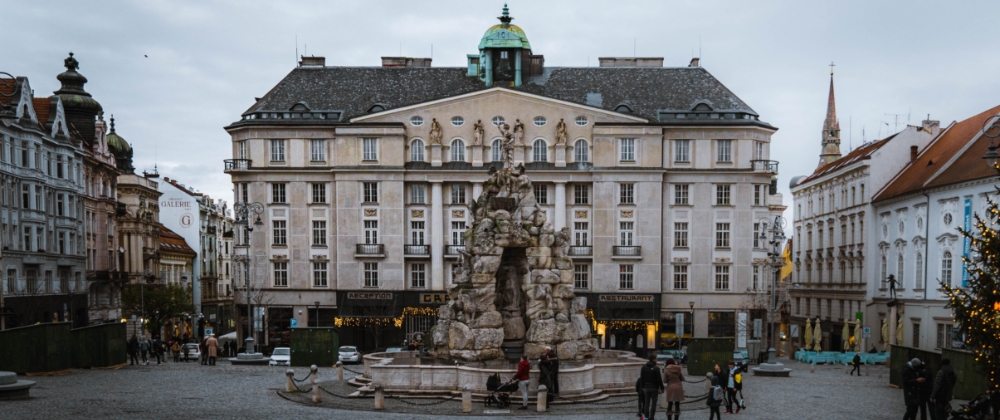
767,166
370,250
416,250
581,251
236,165
453,250
626,251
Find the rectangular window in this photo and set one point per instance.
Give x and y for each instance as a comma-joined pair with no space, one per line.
722,195
725,151
371,274
915,341
280,232
682,151
581,194
581,276
681,194
241,149
457,231
681,234
458,194
317,149
416,233
541,193
722,235
243,192
944,332
370,192
758,150
581,232
371,232
318,193
418,275
756,235
417,194
680,277
756,277
627,149
625,233
281,274
721,277
625,273
278,193
319,274
26,196
625,193
756,194
319,232
60,203
277,150
370,149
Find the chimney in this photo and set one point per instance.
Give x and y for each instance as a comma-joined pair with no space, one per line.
630,61
312,61
694,62
405,62
929,125
913,153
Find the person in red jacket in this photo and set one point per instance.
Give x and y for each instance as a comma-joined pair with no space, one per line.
522,379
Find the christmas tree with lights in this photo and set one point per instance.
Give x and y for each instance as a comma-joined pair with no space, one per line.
976,306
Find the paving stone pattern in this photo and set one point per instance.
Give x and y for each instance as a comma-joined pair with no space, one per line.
189,390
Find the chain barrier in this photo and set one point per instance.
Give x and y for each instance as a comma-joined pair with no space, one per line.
338,395
395,397
300,389
300,380
354,372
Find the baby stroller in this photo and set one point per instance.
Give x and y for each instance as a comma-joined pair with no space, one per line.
977,409
499,392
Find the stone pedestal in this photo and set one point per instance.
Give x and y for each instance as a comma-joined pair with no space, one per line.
477,156
435,155
13,389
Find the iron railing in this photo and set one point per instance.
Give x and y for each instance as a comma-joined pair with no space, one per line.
581,251
453,249
237,164
370,249
416,250
626,251
768,166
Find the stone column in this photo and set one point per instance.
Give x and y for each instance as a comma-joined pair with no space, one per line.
560,219
477,190
893,320
437,237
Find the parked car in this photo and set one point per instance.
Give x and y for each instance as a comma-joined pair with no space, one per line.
393,349
350,354
661,359
192,352
281,356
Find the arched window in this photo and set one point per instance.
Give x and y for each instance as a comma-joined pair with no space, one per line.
581,152
882,268
496,152
458,151
919,273
540,151
417,151
946,268
899,269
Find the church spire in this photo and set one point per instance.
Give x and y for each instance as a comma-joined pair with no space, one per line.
831,129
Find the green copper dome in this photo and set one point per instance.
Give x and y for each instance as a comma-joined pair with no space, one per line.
504,34
117,144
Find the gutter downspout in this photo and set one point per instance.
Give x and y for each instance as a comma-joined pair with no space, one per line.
927,227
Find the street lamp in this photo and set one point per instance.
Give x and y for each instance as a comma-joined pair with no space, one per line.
776,230
241,253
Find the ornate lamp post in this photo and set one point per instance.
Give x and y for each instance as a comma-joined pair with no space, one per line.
241,253
773,231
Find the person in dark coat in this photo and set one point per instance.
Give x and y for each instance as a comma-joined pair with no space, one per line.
133,350
925,392
857,364
157,349
944,383
912,382
652,385
723,375
203,350
641,397
548,370
712,403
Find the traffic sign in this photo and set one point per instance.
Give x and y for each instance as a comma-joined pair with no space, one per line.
867,332
295,323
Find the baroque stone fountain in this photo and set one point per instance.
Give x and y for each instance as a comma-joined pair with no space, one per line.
514,290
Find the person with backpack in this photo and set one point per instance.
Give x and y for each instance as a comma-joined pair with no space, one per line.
722,374
738,381
731,388
523,379
857,364
715,396
944,383
144,350
674,378
652,385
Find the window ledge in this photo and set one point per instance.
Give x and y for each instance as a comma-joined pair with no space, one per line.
319,245
279,245
627,161
369,161
681,205
369,203
724,205
723,248
682,248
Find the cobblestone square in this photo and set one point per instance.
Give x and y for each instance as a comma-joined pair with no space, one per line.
179,390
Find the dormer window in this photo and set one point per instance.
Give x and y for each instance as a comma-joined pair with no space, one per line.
375,108
624,109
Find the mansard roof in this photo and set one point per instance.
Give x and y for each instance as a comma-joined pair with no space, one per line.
343,93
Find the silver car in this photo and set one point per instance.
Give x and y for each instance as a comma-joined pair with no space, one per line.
350,354
192,352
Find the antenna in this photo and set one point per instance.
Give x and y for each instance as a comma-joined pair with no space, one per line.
432,51
306,52
296,49
699,47
850,132
896,120
633,47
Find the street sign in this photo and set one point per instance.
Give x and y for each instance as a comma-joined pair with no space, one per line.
758,327
866,332
294,322
741,335
679,327
859,316
208,331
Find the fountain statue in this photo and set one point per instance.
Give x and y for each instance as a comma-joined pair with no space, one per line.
513,290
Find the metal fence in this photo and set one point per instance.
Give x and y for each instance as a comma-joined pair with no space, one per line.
315,346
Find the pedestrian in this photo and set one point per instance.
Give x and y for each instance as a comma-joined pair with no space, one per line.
203,351
213,349
176,351
229,349
857,364
731,388
944,382
187,352
144,349
641,398
133,350
674,378
912,382
925,391
523,380
157,349
548,370
722,374
652,385
715,396
738,380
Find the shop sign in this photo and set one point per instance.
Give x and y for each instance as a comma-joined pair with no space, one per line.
370,295
625,298
434,298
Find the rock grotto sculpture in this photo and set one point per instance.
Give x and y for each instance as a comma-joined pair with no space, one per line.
514,286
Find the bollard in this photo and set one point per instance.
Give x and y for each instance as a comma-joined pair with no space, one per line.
467,399
379,398
812,368
340,371
313,374
316,397
543,398
289,385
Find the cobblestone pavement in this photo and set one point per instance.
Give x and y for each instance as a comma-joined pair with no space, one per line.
224,391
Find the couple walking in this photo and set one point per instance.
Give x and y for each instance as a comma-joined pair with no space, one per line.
650,384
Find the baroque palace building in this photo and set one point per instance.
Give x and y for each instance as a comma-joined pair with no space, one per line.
365,174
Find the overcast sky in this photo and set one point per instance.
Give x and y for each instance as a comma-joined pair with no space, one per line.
208,60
